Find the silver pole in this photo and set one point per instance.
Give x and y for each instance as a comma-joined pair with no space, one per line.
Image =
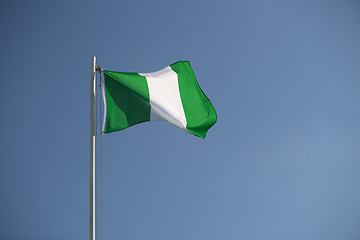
92,148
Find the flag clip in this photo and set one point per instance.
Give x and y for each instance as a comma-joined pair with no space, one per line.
98,68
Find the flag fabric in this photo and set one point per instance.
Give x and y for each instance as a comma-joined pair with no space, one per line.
171,94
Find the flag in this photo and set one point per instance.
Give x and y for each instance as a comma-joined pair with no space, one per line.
171,94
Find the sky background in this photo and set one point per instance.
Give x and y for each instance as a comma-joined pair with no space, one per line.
282,162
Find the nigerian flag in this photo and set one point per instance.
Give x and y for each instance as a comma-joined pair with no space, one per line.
171,94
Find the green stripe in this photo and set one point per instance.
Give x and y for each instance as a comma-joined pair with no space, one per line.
199,112
127,100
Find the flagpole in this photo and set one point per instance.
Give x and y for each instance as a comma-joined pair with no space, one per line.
92,149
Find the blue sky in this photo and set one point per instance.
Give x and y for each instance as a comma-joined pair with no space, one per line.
281,162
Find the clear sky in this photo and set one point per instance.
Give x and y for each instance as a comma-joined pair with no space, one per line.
281,163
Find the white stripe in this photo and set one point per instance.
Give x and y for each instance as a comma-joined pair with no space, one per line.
104,100
165,98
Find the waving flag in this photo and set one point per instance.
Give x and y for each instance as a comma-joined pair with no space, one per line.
171,94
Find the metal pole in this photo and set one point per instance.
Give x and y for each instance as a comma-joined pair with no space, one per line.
92,148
